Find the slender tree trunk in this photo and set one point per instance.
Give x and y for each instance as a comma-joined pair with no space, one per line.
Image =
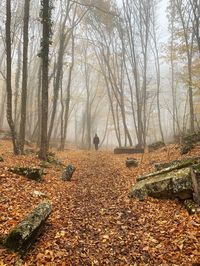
46,22
9,76
68,98
24,77
3,107
39,103
17,82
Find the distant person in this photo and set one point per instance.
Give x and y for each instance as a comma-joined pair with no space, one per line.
96,142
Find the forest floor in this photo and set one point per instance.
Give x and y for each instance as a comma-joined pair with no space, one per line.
93,221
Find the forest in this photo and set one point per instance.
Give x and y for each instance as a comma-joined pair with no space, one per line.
80,79
59,68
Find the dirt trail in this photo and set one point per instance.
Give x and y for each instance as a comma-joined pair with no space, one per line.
104,227
95,223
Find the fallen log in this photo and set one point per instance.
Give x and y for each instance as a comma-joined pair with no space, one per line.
128,150
171,167
68,173
188,142
190,206
175,184
131,162
25,233
156,145
33,173
195,174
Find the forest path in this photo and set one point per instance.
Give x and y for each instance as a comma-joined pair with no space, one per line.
102,226
93,221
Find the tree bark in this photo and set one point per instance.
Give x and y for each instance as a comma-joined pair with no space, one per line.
9,76
24,76
46,21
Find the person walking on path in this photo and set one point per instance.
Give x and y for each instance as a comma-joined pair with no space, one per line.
96,141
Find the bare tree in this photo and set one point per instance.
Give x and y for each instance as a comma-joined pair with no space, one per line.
9,76
24,76
46,41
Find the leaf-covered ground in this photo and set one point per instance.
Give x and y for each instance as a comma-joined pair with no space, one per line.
93,221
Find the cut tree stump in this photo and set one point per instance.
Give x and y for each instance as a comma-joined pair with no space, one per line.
68,173
128,150
131,162
171,167
174,184
33,173
26,232
195,173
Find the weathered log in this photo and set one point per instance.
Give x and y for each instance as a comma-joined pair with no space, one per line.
175,184
128,150
51,158
156,145
33,173
175,166
25,233
190,206
195,174
185,148
188,142
177,163
68,173
131,162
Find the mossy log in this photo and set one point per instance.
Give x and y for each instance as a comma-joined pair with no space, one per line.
33,173
68,173
190,206
195,174
156,145
188,142
172,167
128,150
175,184
26,232
185,148
131,162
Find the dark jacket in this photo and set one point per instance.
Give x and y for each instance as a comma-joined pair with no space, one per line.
96,140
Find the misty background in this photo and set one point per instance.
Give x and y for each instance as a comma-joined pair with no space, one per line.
126,70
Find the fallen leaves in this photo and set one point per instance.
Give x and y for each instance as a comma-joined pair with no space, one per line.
93,221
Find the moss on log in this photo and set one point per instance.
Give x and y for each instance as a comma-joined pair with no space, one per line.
195,174
190,206
26,232
156,145
128,150
176,184
33,173
172,167
68,173
131,162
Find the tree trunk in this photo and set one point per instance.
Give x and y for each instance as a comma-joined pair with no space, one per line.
9,76
24,77
46,22
68,97
17,82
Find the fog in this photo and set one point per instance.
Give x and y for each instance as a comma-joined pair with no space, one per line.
126,70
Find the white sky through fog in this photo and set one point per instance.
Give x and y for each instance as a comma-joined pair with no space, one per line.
161,17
